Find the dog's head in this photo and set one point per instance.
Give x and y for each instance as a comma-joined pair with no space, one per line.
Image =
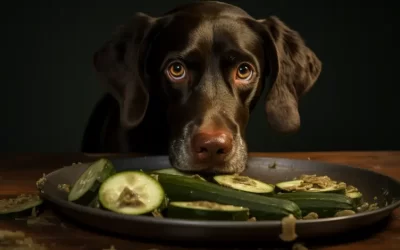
208,62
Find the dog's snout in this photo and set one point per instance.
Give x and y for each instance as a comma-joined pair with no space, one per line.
211,147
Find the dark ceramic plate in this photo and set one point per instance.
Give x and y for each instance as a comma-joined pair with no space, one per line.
371,184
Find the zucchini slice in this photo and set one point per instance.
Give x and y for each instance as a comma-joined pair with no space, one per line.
205,210
20,206
302,186
131,192
357,197
288,186
183,188
244,183
324,204
85,188
174,171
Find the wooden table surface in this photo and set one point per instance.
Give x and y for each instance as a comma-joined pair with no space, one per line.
19,172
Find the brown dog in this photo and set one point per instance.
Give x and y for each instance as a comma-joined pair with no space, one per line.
185,84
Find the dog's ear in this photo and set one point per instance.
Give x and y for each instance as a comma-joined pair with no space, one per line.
294,68
120,64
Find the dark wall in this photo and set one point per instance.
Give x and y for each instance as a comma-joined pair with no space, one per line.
49,87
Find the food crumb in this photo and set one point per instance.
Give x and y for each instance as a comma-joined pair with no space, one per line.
13,240
273,165
252,219
351,189
288,228
367,207
363,207
299,246
157,214
373,206
64,187
344,213
40,183
324,181
311,216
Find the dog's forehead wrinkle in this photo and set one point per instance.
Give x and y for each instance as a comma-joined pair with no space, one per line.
209,40
198,41
203,33
222,32
236,36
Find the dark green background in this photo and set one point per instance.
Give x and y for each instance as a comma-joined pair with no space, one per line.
49,87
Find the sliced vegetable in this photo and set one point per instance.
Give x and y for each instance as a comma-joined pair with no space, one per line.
20,206
205,210
183,188
131,192
357,197
86,187
302,186
288,186
174,171
324,204
244,183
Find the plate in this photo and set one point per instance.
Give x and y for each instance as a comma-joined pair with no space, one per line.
371,184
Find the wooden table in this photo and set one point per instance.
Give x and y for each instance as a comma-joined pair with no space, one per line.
19,172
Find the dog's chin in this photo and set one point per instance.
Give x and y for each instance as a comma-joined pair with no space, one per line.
235,162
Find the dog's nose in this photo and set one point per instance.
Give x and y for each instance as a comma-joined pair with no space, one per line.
211,147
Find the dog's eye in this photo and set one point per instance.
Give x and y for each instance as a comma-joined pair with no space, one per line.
176,71
244,71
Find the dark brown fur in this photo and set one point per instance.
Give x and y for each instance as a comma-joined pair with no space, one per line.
145,113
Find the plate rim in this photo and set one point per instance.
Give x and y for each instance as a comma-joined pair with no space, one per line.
215,224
